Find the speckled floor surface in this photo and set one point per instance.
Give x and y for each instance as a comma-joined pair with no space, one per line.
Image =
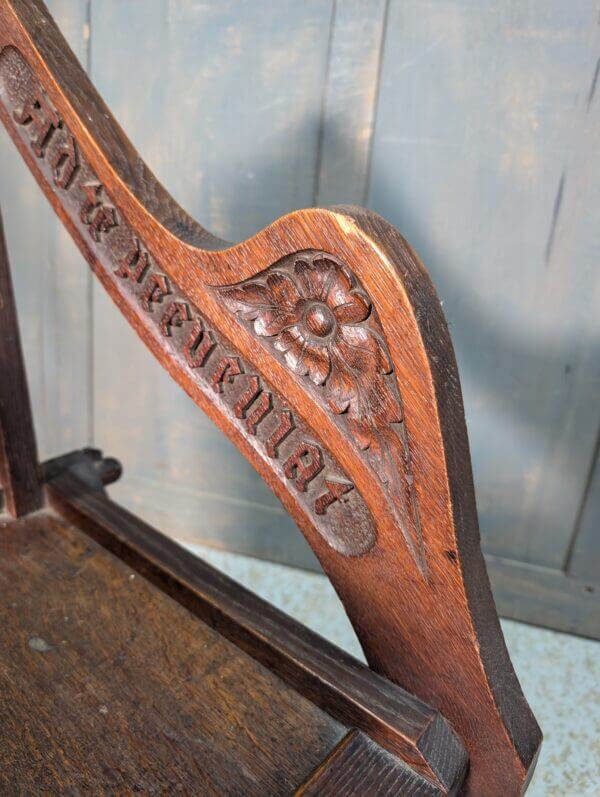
560,674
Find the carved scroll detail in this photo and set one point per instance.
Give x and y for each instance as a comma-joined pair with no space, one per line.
262,416
310,309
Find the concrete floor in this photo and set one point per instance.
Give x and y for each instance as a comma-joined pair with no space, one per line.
560,674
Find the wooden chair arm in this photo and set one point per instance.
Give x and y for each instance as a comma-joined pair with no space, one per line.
320,348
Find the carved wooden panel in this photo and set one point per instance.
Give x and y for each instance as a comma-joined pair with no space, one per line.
311,311
251,404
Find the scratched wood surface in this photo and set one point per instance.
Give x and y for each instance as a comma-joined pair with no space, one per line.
132,693
470,126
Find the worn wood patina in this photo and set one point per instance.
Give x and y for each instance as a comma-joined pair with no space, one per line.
320,348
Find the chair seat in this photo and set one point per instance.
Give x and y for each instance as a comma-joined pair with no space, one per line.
107,685
112,682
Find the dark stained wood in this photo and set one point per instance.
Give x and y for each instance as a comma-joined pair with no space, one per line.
19,477
319,346
358,767
330,678
109,687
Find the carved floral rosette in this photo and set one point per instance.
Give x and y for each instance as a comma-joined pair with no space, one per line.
311,311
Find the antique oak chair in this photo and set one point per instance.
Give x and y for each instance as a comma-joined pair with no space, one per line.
319,347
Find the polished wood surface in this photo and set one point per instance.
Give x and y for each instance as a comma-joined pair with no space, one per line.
333,680
319,346
109,687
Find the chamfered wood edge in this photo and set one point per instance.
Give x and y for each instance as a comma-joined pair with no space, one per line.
357,767
329,677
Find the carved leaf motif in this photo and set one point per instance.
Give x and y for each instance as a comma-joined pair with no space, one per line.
312,310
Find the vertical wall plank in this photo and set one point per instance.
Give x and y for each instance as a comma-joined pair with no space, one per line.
585,559
482,140
349,101
223,101
52,286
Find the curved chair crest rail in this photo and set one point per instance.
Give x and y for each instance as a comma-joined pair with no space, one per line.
320,348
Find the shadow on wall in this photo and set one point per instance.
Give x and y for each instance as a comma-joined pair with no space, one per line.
520,385
517,386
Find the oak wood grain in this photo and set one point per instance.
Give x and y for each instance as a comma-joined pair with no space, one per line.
356,767
333,680
110,687
343,392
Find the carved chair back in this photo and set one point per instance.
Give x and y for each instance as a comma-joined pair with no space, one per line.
320,348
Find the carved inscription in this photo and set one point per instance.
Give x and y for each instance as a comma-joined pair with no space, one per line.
95,213
65,162
135,263
176,314
337,510
311,311
304,464
41,119
335,491
285,425
199,345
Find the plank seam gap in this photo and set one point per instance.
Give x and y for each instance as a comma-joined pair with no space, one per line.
587,489
382,44
321,130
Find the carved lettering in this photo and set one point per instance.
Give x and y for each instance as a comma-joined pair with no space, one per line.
99,217
174,316
304,464
65,162
335,491
226,371
43,120
260,409
156,288
247,397
285,426
199,345
135,264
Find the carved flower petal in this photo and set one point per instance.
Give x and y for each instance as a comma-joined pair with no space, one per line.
294,356
356,309
249,299
339,289
283,290
363,348
314,277
272,322
318,362
288,338
340,387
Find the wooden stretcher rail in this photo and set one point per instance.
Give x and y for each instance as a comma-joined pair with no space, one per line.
331,679
320,348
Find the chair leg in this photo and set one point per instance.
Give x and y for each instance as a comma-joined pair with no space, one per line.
19,470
